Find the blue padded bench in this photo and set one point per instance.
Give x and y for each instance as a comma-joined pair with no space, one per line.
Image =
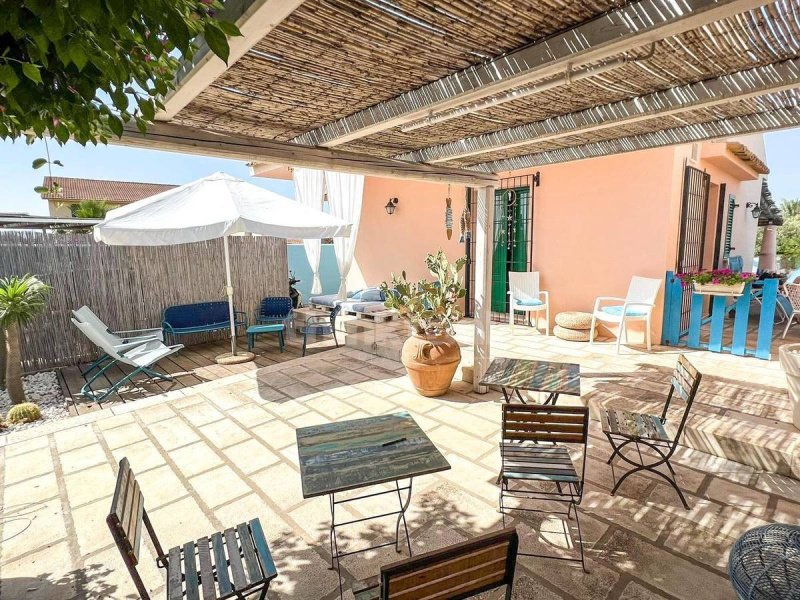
184,319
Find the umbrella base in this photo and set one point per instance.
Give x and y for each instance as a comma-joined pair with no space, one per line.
231,359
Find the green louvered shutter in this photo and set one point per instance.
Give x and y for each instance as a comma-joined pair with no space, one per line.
726,248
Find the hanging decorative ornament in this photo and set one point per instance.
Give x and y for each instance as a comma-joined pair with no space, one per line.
448,215
466,226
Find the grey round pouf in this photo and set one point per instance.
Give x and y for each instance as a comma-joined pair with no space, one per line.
571,335
764,563
574,320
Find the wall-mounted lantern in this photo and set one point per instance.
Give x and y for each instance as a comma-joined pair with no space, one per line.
391,206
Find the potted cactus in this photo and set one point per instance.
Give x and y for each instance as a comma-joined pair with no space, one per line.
21,299
430,355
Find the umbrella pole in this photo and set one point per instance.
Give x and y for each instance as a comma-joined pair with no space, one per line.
229,292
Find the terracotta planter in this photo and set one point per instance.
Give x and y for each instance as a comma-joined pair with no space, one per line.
431,361
716,289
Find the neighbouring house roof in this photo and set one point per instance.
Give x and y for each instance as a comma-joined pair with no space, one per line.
117,192
25,221
770,213
746,155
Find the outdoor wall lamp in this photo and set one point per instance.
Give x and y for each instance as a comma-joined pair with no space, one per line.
391,206
756,206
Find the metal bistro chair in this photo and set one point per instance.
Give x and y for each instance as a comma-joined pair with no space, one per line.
235,563
791,291
275,309
623,428
527,457
452,573
321,325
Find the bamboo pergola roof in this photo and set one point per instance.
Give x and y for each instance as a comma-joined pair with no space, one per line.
331,61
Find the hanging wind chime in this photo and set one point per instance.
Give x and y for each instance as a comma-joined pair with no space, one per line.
466,226
448,214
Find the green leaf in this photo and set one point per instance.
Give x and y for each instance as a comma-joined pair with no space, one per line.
147,108
41,189
229,29
217,41
115,125
8,77
58,162
31,71
77,53
90,10
39,163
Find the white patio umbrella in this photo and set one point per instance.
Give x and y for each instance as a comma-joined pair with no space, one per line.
212,207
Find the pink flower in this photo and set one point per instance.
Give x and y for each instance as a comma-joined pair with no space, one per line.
715,280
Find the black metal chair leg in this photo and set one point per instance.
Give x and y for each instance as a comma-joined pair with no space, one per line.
580,538
305,341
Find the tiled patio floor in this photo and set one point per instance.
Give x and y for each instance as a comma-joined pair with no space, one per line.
223,451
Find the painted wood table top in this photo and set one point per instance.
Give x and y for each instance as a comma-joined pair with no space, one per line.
346,455
534,375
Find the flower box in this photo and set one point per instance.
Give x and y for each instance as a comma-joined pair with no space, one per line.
719,289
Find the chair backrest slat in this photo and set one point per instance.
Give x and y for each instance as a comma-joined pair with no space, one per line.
643,289
558,424
276,306
685,382
127,511
524,285
455,572
792,292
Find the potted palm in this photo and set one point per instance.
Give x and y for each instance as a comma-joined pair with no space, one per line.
430,355
21,299
719,282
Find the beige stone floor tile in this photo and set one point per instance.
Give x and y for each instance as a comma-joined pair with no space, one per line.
224,433
90,484
24,447
286,409
333,409
71,438
27,465
276,434
142,455
90,527
102,575
173,433
250,415
251,507
305,573
31,526
251,456
281,483
219,486
47,574
179,522
35,489
201,413
87,456
635,591
738,496
160,486
109,423
153,414
195,458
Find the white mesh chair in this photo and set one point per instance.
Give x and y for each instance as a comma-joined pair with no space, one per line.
637,305
526,297
792,292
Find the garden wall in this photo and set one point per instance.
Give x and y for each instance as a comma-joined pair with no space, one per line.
129,286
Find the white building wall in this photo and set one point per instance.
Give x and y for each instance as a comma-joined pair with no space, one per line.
745,227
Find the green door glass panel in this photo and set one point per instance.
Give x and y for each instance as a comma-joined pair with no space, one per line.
510,251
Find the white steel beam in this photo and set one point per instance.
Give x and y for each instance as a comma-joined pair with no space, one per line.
782,118
255,19
484,243
705,94
187,140
626,28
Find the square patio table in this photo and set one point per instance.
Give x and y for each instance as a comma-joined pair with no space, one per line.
515,374
348,455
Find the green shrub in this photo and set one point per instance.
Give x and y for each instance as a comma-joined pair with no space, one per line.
23,413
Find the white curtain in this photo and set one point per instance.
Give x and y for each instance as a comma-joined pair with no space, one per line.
345,193
309,185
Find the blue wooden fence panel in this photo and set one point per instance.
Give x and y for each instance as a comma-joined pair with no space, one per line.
721,307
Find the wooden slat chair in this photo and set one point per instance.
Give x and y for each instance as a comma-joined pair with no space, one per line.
235,563
532,452
460,571
640,429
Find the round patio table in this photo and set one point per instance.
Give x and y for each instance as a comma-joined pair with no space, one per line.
764,563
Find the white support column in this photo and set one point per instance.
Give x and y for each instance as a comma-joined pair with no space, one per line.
484,234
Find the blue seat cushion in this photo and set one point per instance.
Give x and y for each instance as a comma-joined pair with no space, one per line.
616,311
528,302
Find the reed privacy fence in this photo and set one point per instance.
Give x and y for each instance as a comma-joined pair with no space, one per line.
129,286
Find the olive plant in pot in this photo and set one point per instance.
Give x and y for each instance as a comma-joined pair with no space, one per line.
430,355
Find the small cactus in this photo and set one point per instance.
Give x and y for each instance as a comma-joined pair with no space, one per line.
23,413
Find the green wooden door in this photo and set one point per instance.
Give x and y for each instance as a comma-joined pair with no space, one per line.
511,241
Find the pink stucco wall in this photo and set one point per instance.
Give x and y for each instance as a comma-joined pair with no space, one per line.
598,222
390,244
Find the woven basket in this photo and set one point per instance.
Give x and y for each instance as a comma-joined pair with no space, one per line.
764,563
571,335
574,320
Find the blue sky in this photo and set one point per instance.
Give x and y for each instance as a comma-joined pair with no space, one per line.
113,162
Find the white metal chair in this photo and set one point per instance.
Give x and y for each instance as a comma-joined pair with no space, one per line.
637,305
525,296
141,355
792,292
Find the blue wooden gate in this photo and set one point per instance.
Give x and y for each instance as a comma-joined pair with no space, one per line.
722,307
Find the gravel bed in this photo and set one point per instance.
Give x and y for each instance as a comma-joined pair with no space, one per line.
43,390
